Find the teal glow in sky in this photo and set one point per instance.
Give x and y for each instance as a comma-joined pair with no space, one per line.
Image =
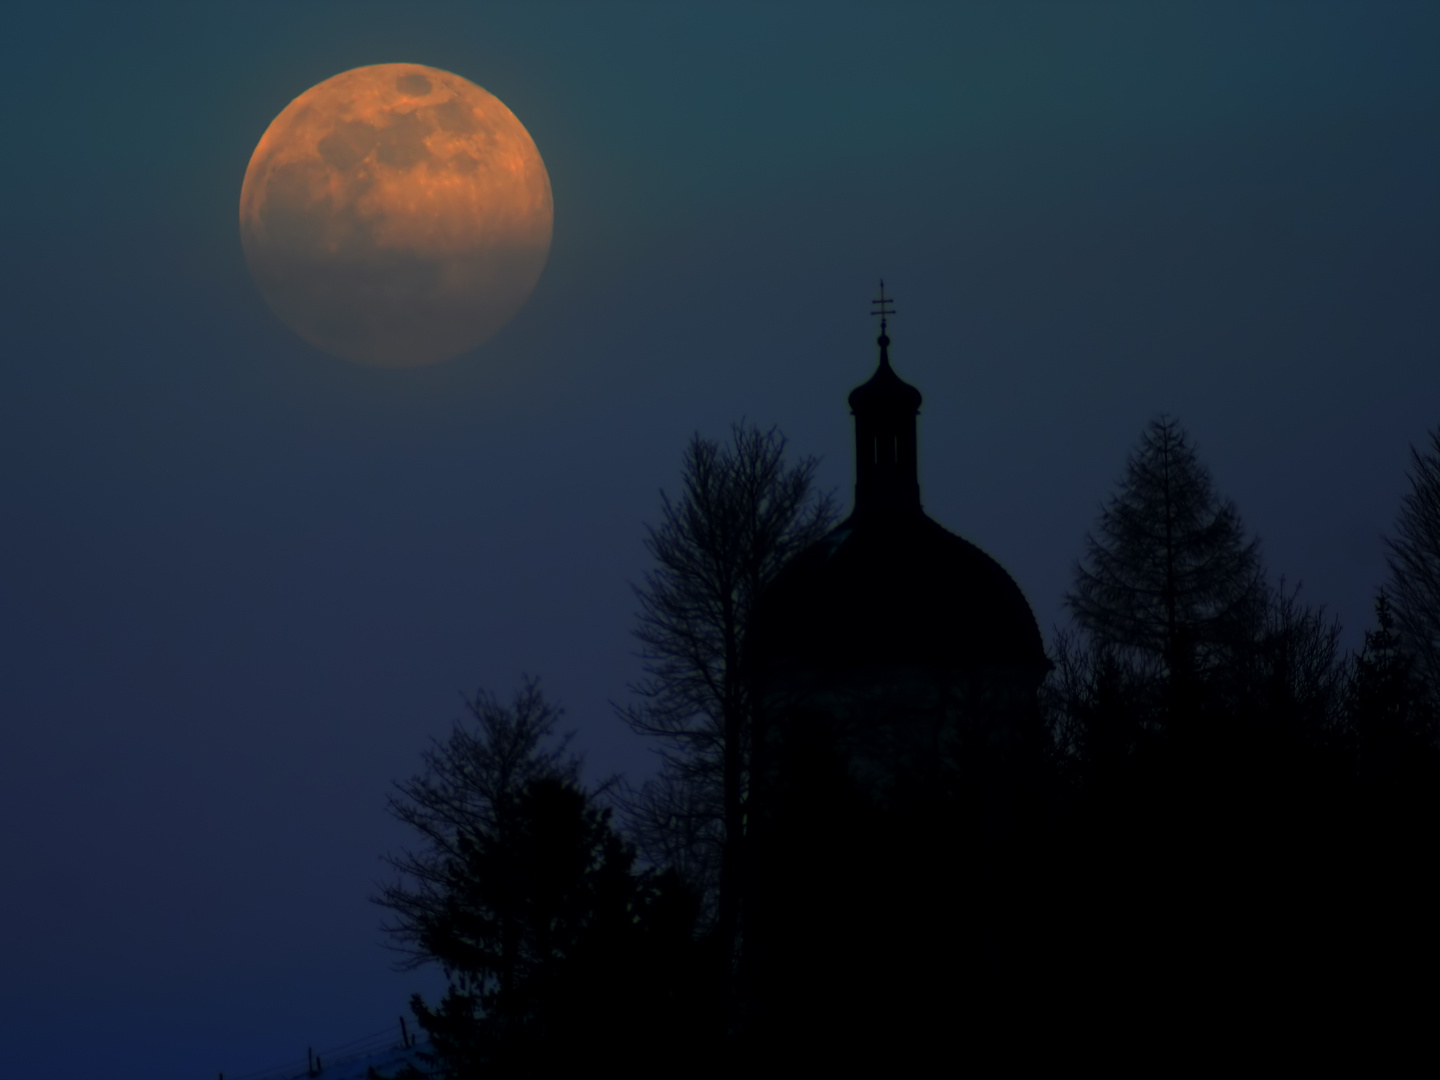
246,582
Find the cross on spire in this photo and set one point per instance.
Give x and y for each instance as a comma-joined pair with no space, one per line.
881,305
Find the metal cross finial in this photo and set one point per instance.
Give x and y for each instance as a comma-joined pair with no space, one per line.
883,306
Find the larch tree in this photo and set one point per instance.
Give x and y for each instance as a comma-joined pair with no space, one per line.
1168,574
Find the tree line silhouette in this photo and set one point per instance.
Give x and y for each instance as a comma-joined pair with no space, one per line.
1214,829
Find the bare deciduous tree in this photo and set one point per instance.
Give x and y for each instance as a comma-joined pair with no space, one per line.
1292,677
524,893
467,795
1414,559
741,515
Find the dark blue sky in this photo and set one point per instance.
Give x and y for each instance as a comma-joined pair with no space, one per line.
246,582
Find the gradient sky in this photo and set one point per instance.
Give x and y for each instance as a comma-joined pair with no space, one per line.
245,583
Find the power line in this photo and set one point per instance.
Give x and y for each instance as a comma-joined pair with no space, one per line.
389,1038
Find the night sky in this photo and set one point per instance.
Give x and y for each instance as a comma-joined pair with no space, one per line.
245,583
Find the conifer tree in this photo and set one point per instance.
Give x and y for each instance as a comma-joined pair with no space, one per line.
1387,702
1168,575
523,892
467,800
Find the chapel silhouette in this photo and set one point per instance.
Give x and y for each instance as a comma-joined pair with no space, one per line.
904,636
896,759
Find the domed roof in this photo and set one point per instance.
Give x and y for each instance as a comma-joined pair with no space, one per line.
885,391
895,589
889,586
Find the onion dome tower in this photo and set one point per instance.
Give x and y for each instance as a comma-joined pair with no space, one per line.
904,635
886,470
896,749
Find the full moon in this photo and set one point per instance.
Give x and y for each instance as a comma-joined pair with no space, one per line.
396,215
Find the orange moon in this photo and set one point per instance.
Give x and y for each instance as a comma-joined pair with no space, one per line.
396,215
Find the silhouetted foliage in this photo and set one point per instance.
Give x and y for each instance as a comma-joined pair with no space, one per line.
1236,844
467,794
1274,850
1289,679
1392,717
525,895
920,874
742,513
1414,558
1397,807
1168,574
1103,705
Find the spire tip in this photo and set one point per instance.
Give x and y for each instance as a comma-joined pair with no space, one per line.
884,307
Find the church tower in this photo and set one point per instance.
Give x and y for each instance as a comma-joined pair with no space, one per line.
887,479
896,740
901,638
